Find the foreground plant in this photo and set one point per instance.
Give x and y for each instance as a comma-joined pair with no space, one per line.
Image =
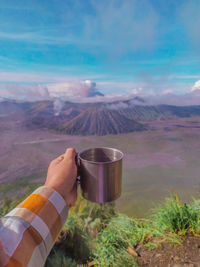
113,242
178,217
95,235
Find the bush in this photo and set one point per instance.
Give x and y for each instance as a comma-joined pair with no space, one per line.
85,221
74,240
89,212
60,260
8,205
113,242
178,217
96,233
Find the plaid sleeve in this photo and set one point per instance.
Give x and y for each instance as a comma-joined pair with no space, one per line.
29,231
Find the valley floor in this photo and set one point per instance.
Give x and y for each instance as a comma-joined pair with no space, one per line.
166,158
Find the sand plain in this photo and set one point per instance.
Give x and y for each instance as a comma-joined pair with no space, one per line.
164,159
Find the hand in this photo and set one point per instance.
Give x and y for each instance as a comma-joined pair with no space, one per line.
62,174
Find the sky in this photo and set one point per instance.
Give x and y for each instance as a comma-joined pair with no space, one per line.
120,46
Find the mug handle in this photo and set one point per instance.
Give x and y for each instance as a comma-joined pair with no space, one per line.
78,169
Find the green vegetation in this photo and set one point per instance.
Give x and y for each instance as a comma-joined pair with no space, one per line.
11,194
178,217
112,243
8,204
20,183
96,235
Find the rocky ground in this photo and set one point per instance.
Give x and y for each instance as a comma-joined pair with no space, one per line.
185,255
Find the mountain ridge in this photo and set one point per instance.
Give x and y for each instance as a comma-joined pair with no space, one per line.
101,122
91,118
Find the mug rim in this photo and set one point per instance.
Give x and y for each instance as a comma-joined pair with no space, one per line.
100,162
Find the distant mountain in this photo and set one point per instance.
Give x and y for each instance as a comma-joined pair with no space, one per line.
150,113
90,118
100,122
42,115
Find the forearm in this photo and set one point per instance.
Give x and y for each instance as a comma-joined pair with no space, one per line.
29,231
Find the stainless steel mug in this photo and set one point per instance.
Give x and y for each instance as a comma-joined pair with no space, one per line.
100,171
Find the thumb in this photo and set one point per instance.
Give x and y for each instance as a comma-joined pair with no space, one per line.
70,153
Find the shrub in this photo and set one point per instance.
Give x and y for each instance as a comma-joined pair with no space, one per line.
95,232
84,222
8,205
178,217
60,260
112,243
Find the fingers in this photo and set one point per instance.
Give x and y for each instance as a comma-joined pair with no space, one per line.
58,159
69,162
73,197
70,153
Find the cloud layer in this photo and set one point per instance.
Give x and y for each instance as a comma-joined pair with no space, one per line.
196,86
74,90
86,91
70,91
24,92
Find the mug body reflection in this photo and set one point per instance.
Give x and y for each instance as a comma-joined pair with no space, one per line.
100,172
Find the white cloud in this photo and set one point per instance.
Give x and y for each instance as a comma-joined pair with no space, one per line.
196,86
71,90
167,91
57,105
106,98
86,91
137,91
191,98
24,92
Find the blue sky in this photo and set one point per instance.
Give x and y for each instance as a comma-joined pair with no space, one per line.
122,45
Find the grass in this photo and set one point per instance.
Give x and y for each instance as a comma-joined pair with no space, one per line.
61,260
85,221
96,235
115,233
19,183
113,242
179,217
151,245
17,190
8,204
